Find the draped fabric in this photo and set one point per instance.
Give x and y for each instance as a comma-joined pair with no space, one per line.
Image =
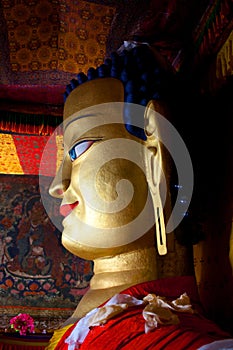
30,155
126,331
30,124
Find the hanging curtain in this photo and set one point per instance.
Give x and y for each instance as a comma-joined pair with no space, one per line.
33,124
30,154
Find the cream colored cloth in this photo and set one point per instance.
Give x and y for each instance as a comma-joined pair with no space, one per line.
99,316
157,311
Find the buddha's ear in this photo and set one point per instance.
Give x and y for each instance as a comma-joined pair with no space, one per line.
152,109
154,172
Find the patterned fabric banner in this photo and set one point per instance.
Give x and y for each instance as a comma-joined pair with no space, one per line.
51,36
224,65
209,35
30,155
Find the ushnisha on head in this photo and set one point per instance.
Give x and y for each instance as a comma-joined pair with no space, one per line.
101,139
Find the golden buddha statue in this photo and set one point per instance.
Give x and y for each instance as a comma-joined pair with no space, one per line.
110,183
92,135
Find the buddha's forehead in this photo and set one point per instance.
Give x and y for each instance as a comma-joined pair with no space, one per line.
93,122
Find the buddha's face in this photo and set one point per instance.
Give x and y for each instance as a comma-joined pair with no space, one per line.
105,199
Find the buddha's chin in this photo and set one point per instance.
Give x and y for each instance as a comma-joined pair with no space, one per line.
85,251
92,252
90,242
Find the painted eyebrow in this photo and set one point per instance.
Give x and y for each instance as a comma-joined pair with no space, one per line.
77,118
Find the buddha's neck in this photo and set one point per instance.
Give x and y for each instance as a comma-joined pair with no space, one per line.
126,268
114,274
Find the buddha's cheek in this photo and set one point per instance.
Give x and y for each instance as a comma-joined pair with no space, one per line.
110,200
113,196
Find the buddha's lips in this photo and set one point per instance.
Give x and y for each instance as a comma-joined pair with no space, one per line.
66,209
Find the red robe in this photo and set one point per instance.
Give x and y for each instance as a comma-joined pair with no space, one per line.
126,330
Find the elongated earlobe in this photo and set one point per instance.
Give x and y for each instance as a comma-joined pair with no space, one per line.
155,174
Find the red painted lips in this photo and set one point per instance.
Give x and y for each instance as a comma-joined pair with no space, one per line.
66,209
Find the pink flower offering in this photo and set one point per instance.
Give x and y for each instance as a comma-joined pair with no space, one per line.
22,323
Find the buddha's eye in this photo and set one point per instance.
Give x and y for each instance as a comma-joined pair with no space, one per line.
79,148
